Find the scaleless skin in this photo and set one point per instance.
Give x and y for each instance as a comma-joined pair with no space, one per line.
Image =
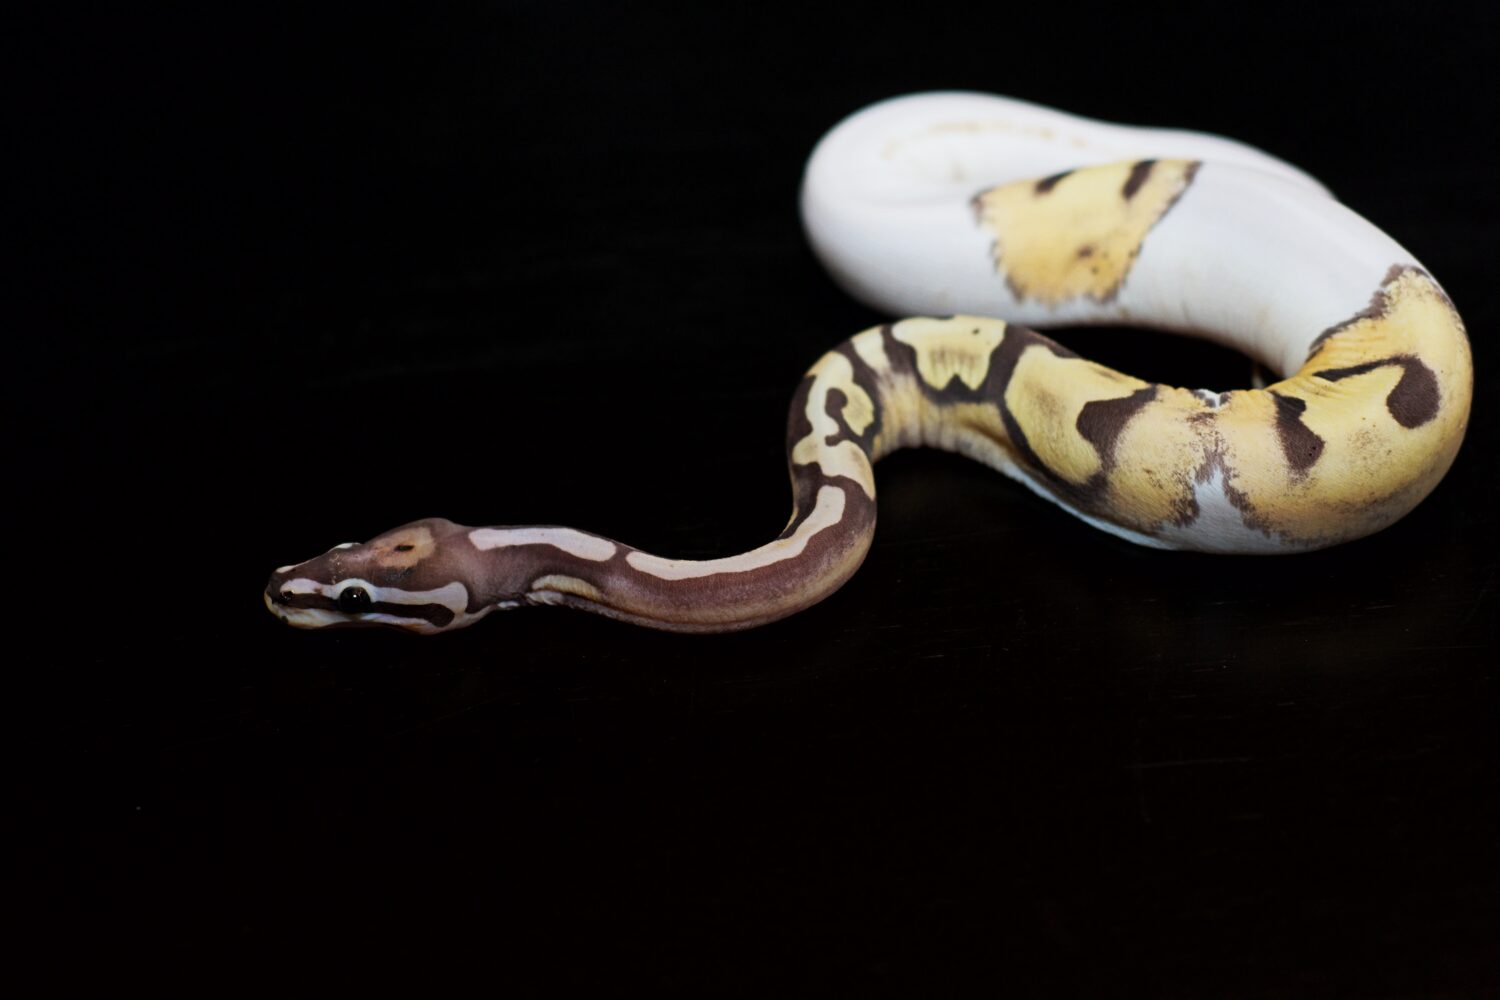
967,203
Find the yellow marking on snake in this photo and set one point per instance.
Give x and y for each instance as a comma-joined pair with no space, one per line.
404,549
1158,455
834,371
1080,234
951,348
1366,466
870,347
1047,393
1371,464
562,584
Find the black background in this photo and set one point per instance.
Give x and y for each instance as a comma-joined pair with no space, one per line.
293,278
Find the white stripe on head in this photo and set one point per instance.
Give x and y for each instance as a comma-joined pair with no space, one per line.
569,540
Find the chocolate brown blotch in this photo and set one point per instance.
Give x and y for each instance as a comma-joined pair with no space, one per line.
1046,184
1301,446
1415,398
1137,179
798,426
902,356
1003,362
1102,421
865,378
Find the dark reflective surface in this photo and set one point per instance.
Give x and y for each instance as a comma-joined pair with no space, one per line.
304,283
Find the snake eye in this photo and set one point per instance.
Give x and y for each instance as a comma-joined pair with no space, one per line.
354,600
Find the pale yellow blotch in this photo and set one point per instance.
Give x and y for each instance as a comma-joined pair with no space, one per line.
1046,395
833,371
870,347
1081,235
403,549
951,348
1418,319
560,583
859,410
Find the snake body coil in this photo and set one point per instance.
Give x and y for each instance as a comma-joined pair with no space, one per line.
981,206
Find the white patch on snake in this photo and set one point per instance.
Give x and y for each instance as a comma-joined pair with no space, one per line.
453,596
827,513
570,540
1219,526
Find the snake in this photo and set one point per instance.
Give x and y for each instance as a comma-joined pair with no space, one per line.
981,218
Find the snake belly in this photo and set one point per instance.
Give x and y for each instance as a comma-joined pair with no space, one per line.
968,207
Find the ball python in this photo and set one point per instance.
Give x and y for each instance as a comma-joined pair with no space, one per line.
955,209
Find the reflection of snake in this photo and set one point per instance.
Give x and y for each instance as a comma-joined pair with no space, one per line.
1173,230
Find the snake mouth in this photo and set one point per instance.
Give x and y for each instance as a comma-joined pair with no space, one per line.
301,616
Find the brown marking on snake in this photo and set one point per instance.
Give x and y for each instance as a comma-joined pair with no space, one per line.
799,426
1413,401
1137,178
1002,369
902,357
403,548
1298,442
865,378
1101,421
1048,183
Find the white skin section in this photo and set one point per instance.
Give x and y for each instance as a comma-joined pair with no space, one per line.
1255,254
570,540
1257,264
826,513
1219,527
946,145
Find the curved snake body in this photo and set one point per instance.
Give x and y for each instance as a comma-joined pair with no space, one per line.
980,206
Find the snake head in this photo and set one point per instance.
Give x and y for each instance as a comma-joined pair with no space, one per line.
407,578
